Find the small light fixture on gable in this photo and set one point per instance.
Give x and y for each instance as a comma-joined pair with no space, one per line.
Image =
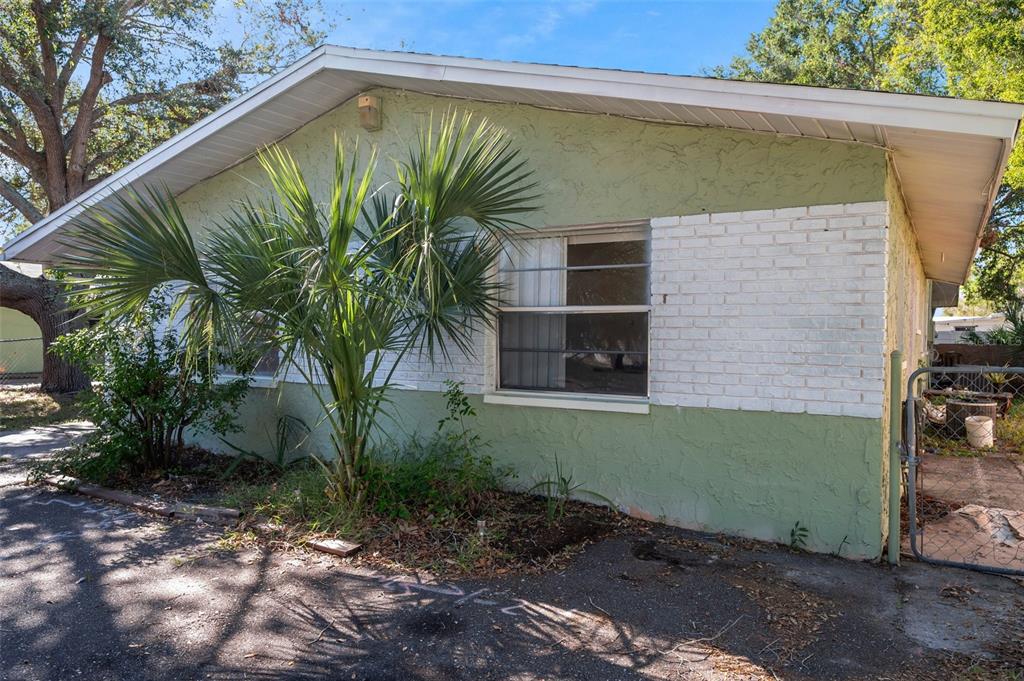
369,112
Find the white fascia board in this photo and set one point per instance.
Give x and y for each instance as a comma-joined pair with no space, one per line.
970,124
944,114
993,192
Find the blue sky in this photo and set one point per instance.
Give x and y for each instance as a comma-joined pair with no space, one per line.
680,36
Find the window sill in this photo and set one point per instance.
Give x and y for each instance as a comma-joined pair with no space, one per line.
625,405
264,381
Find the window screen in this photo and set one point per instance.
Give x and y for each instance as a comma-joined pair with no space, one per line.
576,315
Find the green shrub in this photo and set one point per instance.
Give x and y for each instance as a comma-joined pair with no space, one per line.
145,394
430,477
444,475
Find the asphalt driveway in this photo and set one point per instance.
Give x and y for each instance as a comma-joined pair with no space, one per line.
94,591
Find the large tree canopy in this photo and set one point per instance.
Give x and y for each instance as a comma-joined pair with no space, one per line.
87,86
940,47
980,48
836,43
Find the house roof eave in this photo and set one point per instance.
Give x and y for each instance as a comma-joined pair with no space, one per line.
917,130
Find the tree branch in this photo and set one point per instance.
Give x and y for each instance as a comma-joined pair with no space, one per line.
14,147
100,111
13,81
11,118
207,86
48,124
27,59
15,198
33,161
139,97
91,182
16,140
101,158
41,12
73,59
84,120
10,152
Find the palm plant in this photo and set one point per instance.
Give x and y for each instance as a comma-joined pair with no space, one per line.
346,289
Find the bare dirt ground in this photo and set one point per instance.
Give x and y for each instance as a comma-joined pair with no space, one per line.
981,498
95,591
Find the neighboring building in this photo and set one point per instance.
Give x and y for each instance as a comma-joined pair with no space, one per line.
21,345
955,329
21,342
781,241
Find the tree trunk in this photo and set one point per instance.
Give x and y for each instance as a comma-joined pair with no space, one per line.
46,303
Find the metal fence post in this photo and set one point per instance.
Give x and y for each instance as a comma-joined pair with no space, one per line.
895,479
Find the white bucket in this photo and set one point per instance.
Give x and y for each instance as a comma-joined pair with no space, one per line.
979,431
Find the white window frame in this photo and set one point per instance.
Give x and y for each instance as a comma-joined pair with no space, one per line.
631,404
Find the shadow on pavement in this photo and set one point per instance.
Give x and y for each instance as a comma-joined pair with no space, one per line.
96,591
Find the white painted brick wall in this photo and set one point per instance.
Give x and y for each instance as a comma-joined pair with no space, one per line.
417,372
771,310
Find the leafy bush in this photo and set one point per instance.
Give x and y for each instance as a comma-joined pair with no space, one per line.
431,477
146,393
443,476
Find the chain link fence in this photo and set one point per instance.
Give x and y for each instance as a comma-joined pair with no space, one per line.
21,360
964,444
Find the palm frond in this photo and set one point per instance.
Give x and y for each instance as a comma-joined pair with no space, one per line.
127,249
464,193
469,174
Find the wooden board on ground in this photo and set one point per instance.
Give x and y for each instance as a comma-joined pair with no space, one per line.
223,516
337,547
97,492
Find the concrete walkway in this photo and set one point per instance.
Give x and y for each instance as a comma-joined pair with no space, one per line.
95,591
41,441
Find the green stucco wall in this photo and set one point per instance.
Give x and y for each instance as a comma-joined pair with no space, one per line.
18,355
592,168
749,473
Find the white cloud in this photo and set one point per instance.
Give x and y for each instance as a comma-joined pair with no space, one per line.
549,18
